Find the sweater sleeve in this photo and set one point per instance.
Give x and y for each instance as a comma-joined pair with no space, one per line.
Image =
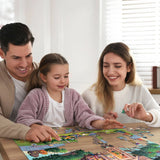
152,107
29,109
87,96
90,98
156,120
83,114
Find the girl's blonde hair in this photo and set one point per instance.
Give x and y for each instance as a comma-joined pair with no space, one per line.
103,90
44,67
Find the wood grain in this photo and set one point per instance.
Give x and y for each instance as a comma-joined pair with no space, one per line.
10,151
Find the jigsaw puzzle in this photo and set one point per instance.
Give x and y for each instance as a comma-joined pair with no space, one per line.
82,144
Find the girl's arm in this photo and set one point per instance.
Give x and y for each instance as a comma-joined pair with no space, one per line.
29,109
85,117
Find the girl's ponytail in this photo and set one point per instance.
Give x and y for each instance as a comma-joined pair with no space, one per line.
34,80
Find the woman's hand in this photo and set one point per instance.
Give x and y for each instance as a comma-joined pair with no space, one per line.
110,115
111,124
106,124
137,111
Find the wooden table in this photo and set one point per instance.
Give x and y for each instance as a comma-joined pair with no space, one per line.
10,151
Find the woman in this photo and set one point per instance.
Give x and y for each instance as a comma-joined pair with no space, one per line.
118,94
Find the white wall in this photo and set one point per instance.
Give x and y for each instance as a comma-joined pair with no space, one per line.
69,27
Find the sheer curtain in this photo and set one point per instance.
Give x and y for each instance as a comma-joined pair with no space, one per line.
68,27
136,23
6,11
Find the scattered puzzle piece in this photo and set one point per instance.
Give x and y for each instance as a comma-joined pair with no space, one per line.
123,111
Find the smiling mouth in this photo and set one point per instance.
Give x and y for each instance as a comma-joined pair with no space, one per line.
112,78
23,70
61,86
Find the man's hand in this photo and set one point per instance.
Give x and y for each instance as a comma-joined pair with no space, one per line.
41,133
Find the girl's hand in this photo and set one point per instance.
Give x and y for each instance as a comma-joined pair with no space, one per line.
106,124
137,111
110,115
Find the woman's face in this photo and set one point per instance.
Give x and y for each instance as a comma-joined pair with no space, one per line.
115,70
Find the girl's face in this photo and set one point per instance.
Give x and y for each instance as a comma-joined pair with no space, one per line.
115,70
58,77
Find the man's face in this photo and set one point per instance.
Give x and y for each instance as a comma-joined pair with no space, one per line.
19,60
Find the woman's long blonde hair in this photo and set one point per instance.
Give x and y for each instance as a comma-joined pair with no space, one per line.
103,90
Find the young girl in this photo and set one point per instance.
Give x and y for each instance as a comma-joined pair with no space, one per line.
117,93
50,102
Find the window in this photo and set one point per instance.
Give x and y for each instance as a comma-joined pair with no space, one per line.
136,23
6,11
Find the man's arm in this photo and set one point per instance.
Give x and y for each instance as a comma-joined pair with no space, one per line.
9,129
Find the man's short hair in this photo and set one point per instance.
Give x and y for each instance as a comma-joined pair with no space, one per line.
15,33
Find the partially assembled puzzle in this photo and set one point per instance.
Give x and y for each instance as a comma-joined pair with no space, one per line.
80,144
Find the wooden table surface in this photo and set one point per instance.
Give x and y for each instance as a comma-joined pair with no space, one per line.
10,151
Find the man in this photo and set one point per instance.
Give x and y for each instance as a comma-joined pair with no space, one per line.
16,42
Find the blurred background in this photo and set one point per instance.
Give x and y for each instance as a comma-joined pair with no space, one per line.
80,29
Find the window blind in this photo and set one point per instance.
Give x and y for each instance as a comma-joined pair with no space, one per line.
136,23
